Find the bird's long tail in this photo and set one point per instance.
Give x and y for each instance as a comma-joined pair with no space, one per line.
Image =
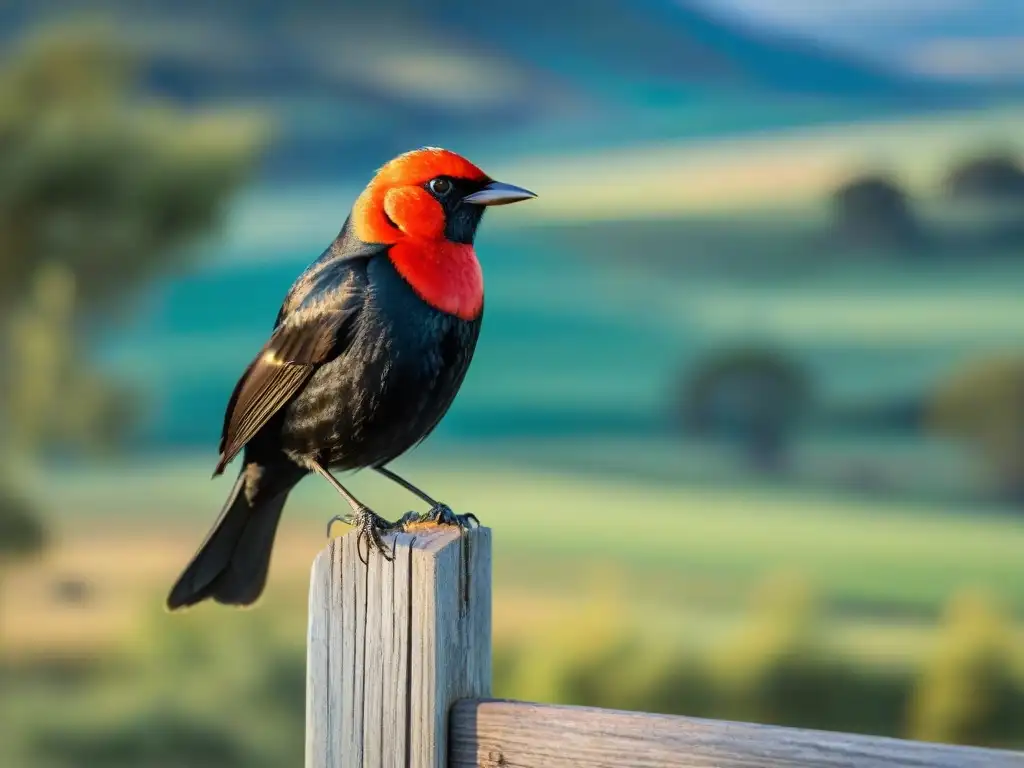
231,565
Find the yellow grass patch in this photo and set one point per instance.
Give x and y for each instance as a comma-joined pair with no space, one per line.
120,576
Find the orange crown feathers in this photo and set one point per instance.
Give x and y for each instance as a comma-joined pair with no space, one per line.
370,213
421,165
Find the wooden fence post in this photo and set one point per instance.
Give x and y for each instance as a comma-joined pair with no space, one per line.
392,645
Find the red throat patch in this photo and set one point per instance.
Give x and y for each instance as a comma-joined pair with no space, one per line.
396,210
446,275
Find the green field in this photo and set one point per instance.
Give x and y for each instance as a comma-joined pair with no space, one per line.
856,552
755,603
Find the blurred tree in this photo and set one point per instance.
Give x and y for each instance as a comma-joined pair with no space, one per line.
54,398
101,190
754,396
992,177
983,405
874,211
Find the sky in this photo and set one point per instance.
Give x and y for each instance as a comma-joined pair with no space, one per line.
964,39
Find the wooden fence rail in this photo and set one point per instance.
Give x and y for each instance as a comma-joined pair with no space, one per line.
399,675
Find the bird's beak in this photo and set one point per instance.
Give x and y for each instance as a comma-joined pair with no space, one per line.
496,193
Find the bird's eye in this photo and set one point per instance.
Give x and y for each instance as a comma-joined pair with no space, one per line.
440,187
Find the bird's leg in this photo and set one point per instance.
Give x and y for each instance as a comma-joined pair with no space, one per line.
407,485
370,525
440,514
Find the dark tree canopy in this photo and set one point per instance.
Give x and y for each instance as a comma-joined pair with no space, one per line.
994,176
101,189
874,210
754,396
96,177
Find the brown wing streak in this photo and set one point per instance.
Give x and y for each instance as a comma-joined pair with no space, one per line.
276,375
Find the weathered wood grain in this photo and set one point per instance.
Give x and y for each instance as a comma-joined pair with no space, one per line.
495,733
319,752
392,645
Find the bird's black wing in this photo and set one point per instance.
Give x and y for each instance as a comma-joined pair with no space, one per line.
308,336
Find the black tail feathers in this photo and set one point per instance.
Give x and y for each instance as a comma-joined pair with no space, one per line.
231,565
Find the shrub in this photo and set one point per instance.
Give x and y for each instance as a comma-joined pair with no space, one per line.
22,532
982,404
158,739
969,692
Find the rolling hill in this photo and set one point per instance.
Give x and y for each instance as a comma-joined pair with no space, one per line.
352,82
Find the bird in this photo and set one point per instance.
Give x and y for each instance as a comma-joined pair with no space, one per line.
370,346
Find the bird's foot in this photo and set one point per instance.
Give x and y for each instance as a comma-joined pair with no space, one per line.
409,518
371,527
440,514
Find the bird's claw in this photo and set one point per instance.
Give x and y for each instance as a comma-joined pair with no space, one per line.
409,518
371,527
337,519
441,514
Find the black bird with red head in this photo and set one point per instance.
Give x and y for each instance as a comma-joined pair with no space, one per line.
368,351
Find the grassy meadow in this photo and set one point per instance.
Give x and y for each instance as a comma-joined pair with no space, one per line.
608,591
668,541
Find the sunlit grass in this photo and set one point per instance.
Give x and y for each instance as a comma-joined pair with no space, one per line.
854,550
607,591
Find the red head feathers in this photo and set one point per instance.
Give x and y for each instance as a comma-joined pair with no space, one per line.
411,205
